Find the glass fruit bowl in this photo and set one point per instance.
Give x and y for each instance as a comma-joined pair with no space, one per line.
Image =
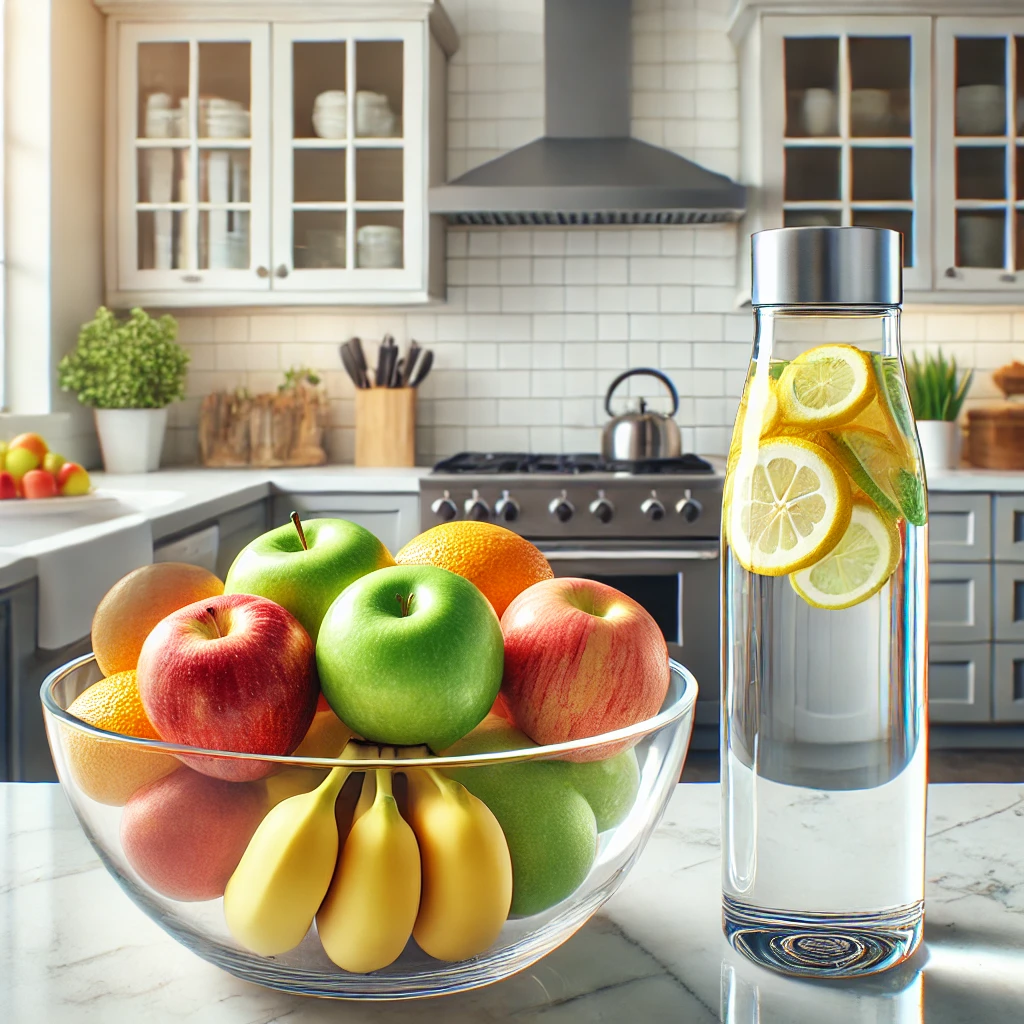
171,836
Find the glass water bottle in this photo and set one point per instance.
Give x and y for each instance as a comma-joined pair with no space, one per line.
824,617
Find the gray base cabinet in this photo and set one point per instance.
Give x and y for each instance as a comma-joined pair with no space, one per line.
976,608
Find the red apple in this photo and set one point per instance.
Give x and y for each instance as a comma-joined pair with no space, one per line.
33,442
72,480
581,658
37,483
8,488
233,672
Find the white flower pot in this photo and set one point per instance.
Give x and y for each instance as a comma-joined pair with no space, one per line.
940,445
131,439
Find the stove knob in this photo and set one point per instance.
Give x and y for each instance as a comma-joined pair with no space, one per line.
653,508
602,508
562,508
690,509
506,508
476,507
444,508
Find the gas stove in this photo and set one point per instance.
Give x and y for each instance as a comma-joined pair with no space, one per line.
577,495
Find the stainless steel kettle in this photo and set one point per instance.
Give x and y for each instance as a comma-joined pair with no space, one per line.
641,434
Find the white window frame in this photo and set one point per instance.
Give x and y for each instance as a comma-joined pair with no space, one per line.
919,29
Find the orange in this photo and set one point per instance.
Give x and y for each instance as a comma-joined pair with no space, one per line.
107,770
501,563
137,602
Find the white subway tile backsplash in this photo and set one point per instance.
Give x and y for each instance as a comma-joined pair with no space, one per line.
513,357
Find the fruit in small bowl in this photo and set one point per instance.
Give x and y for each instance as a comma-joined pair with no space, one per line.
389,844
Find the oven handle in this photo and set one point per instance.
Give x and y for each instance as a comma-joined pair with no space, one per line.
693,555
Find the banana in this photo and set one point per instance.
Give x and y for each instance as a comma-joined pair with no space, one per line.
467,871
368,914
281,879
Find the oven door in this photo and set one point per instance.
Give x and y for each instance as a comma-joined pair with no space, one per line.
678,584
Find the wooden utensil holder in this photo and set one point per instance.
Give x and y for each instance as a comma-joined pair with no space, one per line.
386,427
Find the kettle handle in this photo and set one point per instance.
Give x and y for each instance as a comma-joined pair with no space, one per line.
645,372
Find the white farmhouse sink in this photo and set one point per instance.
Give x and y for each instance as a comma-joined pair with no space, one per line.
23,522
80,550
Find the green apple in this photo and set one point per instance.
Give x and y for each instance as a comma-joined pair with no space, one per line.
19,461
411,654
52,462
609,786
304,567
549,827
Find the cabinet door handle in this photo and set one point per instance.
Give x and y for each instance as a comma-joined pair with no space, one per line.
1008,278
282,271
950,271
191,278
262,272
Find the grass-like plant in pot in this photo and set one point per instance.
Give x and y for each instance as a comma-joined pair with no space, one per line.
937,389
129,371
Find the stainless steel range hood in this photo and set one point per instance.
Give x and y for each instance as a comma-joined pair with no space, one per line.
586,169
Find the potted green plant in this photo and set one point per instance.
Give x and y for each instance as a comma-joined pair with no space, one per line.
128,371
937,392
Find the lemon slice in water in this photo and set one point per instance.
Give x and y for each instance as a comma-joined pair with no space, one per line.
826,386
857,567
788,507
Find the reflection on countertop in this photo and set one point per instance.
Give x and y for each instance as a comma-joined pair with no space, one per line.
73,948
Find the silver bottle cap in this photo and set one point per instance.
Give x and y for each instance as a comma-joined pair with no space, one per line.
827,266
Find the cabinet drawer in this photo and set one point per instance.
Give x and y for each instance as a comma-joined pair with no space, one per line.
1008,682
959,682
959,527
1009,518
1009,601
960,603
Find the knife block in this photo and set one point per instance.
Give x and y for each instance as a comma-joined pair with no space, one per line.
386,427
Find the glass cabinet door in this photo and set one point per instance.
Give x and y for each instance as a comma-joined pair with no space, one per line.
980,156
347,139
193,182
855,140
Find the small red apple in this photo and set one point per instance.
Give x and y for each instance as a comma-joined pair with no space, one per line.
72,480
581,658
8,488
37,483
233,672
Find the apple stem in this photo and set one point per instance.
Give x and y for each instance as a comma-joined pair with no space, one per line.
298,530
405,603
213,619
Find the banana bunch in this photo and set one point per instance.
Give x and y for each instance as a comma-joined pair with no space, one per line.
369,877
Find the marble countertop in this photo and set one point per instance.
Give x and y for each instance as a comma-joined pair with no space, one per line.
74,949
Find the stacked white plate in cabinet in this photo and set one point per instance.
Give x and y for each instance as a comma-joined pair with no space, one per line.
330,114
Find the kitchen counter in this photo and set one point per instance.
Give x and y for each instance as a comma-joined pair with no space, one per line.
993,481
210,492
74,949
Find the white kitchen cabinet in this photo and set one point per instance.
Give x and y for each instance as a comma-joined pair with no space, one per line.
275,154
979,160
910,120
